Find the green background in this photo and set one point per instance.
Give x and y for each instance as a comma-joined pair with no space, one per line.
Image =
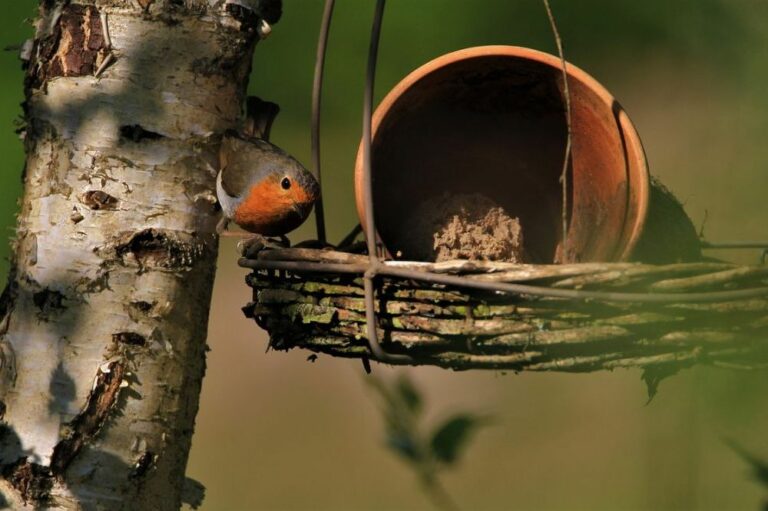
276,432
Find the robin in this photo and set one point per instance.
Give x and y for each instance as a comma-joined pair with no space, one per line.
263,189
260,187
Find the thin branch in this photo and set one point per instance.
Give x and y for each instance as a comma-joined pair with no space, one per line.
567,99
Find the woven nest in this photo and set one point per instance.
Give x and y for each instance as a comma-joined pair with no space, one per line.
572,317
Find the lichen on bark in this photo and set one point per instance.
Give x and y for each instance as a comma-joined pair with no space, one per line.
102,324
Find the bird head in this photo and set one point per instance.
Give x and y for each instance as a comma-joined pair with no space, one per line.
263,189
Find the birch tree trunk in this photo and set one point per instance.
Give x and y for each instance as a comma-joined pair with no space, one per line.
104,319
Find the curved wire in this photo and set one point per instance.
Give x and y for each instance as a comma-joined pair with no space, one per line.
370,225
370,77
317,94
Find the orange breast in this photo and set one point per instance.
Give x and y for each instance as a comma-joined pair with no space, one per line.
263,208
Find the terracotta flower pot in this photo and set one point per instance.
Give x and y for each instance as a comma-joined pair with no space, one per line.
491,120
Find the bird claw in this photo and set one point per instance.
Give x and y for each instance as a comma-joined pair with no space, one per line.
250,247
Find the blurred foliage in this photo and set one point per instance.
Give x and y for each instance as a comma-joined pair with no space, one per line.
427,453
758,466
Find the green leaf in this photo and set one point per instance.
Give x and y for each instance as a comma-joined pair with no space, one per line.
409,394
452,436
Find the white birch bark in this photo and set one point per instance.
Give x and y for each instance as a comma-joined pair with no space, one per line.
103,323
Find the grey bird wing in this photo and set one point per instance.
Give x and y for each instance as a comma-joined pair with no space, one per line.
234,163
244,161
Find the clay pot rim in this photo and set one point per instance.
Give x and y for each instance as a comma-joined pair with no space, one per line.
639,183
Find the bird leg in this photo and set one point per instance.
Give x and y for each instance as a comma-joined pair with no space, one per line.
235,234
221,227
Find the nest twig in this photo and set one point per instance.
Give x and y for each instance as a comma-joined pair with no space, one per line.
714,313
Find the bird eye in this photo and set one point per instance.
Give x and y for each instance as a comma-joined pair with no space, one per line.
285,183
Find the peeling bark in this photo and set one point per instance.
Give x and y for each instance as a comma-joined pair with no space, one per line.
102,324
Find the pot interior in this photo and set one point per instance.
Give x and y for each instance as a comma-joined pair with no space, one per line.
495,125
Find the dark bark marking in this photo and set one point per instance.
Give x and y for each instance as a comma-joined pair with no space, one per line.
76,216
31,242
48,301
7,299
155,248
95,285
98,199
228,63
89,422
32,481
142,306
130,338
75,48
138,310
58,165
7,355
143,464
137,133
